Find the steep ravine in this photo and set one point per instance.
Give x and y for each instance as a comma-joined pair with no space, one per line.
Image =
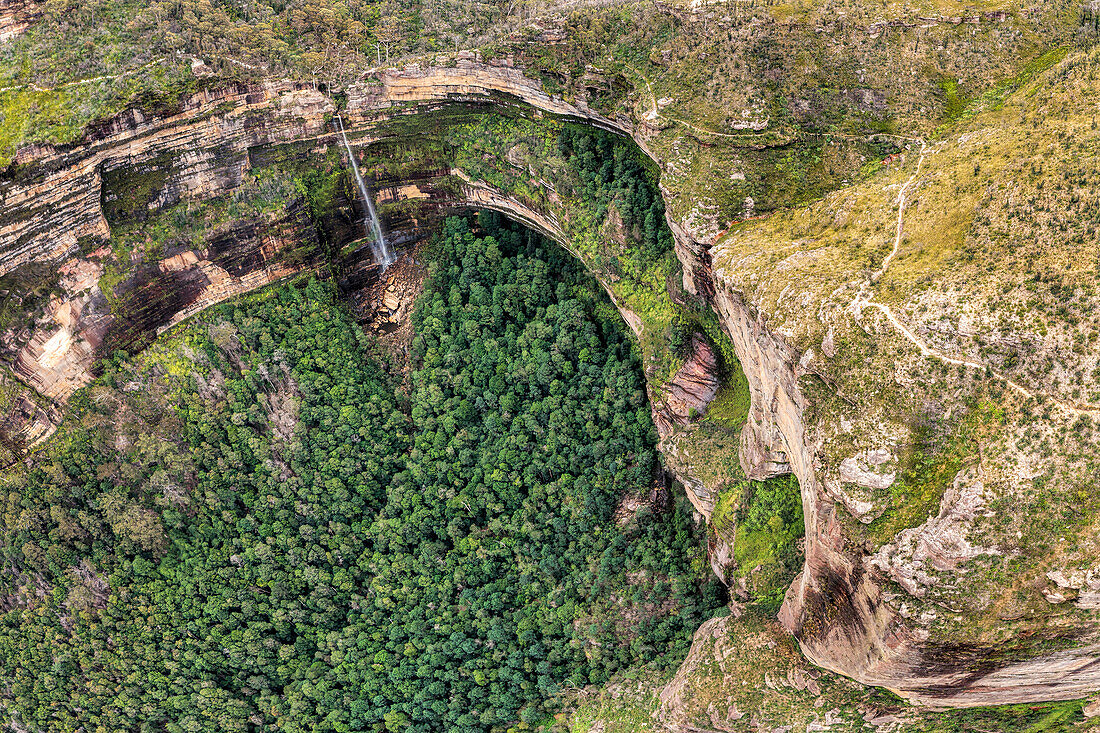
52,203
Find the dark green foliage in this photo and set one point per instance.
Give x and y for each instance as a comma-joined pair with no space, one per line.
198,574
128,191
24,294
532,423
243,531
679,335
612,172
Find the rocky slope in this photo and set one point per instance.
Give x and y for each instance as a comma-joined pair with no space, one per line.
891,366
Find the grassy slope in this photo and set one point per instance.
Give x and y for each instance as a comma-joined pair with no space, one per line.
995,266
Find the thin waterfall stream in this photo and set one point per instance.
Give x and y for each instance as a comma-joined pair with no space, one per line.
383,255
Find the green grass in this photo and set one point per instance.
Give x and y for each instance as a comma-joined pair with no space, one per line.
928,466
27,114
958,109
954,103
730,407
917,491
724,518
764,520
1060,717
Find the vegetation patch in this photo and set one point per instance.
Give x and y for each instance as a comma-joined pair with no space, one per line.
769,529
928,467
25,293
254,525
129,191
1058,717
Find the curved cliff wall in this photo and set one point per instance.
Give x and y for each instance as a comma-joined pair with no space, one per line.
54,201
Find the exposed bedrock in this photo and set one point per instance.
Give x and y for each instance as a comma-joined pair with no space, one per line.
691,389
55,205
17,15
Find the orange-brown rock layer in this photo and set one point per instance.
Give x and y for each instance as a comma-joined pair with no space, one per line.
691,390
16,16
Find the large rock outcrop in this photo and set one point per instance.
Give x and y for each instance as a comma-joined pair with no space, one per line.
690,390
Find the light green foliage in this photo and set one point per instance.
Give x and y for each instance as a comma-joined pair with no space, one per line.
731,405
763,521
626,705
928,467
81,62
86,60
954,105
31,115
769,526
724,517
958,108
1058,717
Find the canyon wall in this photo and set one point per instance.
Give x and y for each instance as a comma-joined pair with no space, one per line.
54,204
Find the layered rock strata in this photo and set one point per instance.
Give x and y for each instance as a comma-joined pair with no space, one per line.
16,16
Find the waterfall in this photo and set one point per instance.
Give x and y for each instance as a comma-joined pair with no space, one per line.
381,250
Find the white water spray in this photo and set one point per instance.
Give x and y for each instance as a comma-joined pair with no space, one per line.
381,250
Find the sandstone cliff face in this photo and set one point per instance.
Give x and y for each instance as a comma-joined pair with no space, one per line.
52,199
16,16
837,607
676,406
58,360
691,389
469,81
80,326
842,608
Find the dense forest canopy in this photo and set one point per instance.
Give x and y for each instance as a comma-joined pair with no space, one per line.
254,525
